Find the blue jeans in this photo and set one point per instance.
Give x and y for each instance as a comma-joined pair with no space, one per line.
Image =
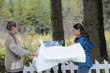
16,72
83,69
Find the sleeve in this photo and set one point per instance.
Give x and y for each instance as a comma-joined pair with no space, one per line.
18,50
83,41
90,45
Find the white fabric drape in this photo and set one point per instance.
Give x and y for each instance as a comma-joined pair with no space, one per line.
52,56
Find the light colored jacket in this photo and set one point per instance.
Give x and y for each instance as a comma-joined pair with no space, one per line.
14,55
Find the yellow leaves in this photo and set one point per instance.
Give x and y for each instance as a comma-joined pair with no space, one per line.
69,41
107,36
4,12
31,42
2,48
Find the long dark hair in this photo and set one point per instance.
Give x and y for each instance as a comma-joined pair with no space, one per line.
9,26
83,32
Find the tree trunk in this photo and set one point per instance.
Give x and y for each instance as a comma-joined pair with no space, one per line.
93,22
57,23
56,18
106,5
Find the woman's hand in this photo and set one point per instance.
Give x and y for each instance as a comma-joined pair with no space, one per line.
35,54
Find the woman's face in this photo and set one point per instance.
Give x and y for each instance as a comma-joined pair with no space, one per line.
76,31
14,29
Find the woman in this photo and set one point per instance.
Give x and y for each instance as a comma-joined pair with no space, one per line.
83,38
14,52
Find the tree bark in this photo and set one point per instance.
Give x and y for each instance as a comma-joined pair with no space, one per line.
57,23
56,18
93,22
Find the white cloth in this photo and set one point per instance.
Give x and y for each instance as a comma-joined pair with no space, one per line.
52,56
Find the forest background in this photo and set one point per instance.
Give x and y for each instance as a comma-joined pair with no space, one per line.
34,22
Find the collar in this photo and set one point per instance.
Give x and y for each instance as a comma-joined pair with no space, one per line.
77,37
